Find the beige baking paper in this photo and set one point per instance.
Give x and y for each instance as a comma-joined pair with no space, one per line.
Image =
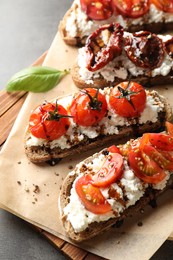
31,191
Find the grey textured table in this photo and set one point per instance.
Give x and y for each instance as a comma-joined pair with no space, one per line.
27,28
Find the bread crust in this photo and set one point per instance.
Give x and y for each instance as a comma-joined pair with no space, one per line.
40,154
96,228
101,82
81,40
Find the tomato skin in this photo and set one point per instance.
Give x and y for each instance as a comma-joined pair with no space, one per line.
91,196
122,106
41,127
114,149
110,171
97,9
161,141
131,8
169,128
82,111
164,5
145,169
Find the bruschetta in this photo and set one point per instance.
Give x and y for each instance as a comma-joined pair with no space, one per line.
112,55
119,181
84,17
90,118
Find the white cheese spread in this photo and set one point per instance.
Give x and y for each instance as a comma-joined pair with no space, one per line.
109,125
130,190
78,23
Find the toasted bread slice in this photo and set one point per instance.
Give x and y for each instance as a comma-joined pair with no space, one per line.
97,227
80,37
42,153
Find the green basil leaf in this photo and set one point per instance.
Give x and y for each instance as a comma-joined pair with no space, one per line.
35,79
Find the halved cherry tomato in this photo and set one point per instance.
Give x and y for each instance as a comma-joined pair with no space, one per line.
110,171
128,99
114,149
91,196
144,49
164,5
145,168
49,121
88,107
103,45
131,8
97,9
169,128
160,158
161,141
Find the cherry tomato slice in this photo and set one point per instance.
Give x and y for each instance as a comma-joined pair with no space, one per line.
164,5
131,8
97,9
144,49
49,121
88,107
103,45
169,128
161,141
160,158
128,99
145,168
91,196
169,47
110,171
114,149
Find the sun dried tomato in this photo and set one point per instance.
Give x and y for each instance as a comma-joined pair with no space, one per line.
103,46
144,49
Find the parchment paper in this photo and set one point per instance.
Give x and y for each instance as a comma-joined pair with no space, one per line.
31,191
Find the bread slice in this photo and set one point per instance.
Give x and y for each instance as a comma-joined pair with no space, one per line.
80,38
96,228
44,153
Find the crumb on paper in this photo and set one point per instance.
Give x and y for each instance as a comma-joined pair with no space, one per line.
47,195
36,189
56,173
19,162
70,167
19,182
26,189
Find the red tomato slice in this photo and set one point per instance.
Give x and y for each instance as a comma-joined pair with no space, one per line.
114,149
161,141
128,99
110,171
131,8
169,128
88,107
49,121
91,196
164,5
160,158
145,168
97,9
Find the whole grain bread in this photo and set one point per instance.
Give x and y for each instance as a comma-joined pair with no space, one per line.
80,40
96,228
40,154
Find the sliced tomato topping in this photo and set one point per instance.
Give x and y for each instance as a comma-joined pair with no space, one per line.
49,121
145,168
97,9
103,46
164,160
128,99
169,47
169,128
131,8
91,196
164,5
110,171
144,49
161,141
88,107
114,149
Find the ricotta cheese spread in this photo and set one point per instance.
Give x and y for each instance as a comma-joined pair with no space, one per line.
121,66
129,189
78,23
109,125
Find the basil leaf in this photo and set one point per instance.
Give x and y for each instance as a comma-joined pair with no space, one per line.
35,79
